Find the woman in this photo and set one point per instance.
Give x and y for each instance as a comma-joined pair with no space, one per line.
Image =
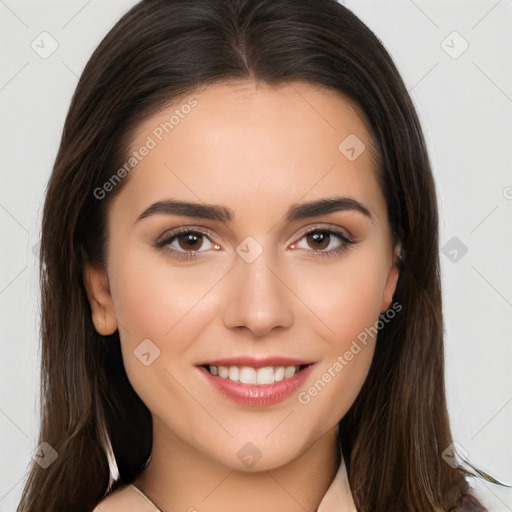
240,278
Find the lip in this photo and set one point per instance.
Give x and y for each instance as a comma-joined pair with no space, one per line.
257,362
257,395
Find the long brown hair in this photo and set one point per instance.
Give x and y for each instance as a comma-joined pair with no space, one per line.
393,436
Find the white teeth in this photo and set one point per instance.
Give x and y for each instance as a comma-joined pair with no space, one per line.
279,373
289,371
249,375
233,373
265,375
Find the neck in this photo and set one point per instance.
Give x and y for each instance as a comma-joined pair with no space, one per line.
178,477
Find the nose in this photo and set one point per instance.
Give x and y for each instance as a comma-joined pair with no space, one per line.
258,298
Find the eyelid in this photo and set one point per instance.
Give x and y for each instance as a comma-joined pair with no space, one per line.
164,240
173,232
205,231
344,233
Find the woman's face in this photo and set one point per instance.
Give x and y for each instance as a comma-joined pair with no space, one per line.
251,238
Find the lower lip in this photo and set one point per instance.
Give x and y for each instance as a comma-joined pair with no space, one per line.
261,394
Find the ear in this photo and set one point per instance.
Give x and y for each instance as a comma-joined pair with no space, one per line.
391,280
98,293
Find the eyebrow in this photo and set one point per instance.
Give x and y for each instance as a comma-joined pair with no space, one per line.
224,214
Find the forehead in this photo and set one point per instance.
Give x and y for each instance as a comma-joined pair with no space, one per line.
232,141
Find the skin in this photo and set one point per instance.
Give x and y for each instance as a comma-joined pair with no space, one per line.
257,150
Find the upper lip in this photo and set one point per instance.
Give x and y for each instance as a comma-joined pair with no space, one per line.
257,362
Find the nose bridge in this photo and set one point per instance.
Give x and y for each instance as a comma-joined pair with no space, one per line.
257,299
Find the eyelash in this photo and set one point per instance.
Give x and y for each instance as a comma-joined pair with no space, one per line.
165,240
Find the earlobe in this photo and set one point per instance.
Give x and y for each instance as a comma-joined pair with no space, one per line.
100,299
391,281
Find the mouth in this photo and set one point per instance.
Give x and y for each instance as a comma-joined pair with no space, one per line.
261,376
256,382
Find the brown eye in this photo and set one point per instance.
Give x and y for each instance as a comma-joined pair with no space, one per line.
318,240
323,242
185,242
190,241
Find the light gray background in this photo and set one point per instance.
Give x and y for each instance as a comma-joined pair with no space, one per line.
465,104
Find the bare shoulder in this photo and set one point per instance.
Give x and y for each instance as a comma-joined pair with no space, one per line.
126,499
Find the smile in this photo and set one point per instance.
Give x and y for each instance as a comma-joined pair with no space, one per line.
256,382
259,376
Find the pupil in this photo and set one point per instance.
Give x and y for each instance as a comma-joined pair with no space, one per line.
190,241
320,238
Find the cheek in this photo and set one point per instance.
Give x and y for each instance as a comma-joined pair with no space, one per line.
345,297
170,307
153,299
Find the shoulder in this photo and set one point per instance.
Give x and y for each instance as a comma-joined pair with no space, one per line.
126,499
